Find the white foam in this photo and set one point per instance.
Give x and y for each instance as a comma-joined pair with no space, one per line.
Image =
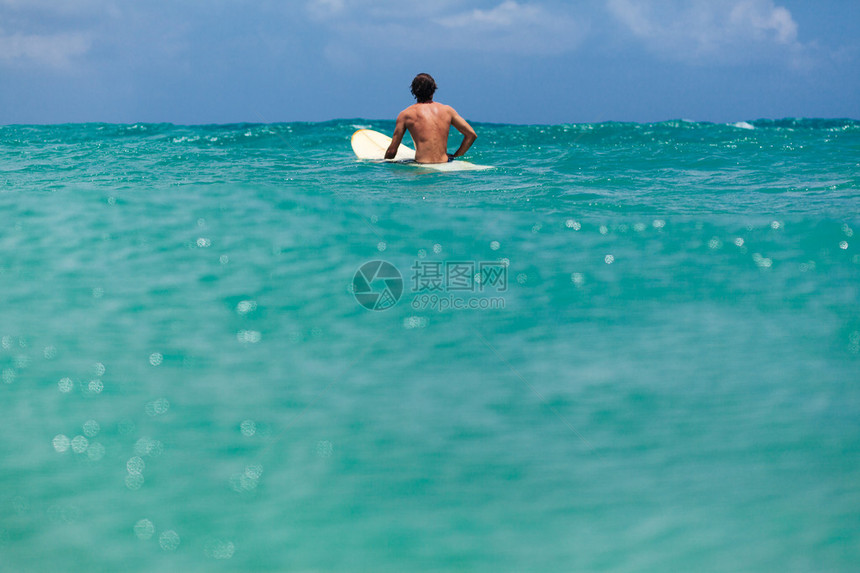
743,125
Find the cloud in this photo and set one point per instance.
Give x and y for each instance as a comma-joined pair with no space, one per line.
57,50
503,16
712,31
516,28
764,21
411,26
49,34
325,9
368,11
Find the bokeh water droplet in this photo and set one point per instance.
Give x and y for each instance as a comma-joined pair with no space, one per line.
169,540
79,444
65,385
144,529
91,428
135,465
246,306
157,407
95,451
248,428
134,481
249,336
219,549
61,443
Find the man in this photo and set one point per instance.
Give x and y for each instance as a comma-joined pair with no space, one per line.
428,123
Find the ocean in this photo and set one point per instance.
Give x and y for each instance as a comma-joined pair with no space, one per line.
628,347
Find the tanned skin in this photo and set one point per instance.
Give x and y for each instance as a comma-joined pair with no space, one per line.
428,123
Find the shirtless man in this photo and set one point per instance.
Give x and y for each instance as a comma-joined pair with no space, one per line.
428,123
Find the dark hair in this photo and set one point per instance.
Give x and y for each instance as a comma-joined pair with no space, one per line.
423,87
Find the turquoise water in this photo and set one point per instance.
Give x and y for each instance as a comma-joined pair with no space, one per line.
629,347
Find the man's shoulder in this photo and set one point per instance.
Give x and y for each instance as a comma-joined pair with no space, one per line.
416,107
409,111
450,112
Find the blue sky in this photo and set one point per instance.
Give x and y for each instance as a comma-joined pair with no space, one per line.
505,61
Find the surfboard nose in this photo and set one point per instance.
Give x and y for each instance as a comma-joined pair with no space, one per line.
370,144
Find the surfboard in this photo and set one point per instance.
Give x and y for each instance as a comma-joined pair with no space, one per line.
371,145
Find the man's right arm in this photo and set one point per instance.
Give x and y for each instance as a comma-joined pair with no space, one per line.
397,137
469,135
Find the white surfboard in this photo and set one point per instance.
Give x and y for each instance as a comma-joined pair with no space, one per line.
369,144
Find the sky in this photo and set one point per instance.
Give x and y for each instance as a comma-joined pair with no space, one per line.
500,61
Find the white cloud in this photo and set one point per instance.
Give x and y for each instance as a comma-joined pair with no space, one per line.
512,27
711,31
48,33
325,9
64,7
370,11
410,26
505,15
56,50
765,21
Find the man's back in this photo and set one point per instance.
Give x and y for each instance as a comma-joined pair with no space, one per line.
428,123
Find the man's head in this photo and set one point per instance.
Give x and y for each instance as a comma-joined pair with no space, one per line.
423,87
